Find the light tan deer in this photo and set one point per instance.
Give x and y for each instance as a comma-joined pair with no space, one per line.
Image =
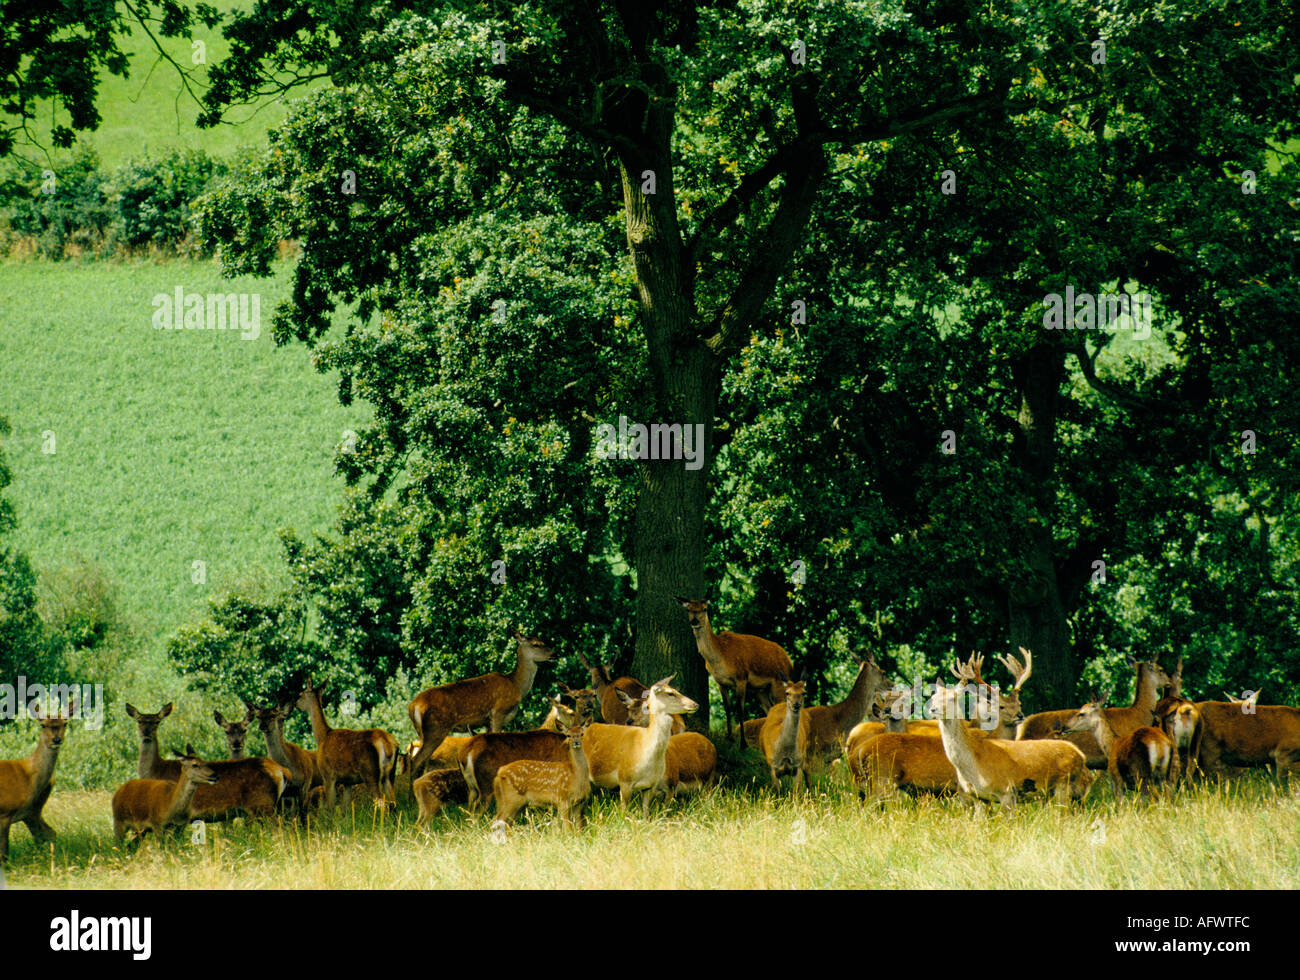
445,756
1151,680
690,764
25,784
883,718
346,756
490,699
304,776
566,786
633,758
236,733
244,787
636,712
738,662
1142,759
998,769
144,805
1241,733
612,708
785,738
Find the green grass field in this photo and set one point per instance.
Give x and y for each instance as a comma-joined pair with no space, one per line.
170,447
1242,835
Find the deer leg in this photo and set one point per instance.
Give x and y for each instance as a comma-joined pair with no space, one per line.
330,799
726,708
741,690
4,840
430,739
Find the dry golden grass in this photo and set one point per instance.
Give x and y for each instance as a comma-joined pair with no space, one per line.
1242,835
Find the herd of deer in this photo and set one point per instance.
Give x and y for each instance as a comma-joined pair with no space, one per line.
641,746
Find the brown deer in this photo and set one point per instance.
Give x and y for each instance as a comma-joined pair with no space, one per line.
1178,718
434,790
445,756
236,733
1151,680
998,769
1241,733
490,699
829,725
785,738
566,786
144,805
633,758
301,764
636,711
1142,759
612,708
561,716
882,718
244,787
738,662
690,764
25,784
345,756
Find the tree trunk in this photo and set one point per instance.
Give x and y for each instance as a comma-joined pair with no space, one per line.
1035,612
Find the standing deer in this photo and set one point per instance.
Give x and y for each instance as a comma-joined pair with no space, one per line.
144,805
236,733
1151,680
1178,718
785,738
1141,759
244,787
828,726
738,662
998,769
301,764
561,716
690,761
346,756
490,699
613,710
562,785
25,784
633,758
1240,733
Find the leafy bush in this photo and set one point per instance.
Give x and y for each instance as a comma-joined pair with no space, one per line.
76,217
155,198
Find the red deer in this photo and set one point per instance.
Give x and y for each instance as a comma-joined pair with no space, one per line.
565,786
244,787
1141,759
633,758
612,709
882,718
1178,718
738,662
144,805
636,711
691,760
236,733
1242,733
434,790
999,769
1151,680
490,699
25,784
785,738
347,757
561,716
828,726
301,764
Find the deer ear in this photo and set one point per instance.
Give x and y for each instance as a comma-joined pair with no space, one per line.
1128,659
684,602
216,716
189,749
167,709
626,698
130,710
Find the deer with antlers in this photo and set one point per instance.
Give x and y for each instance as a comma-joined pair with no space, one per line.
489,699
244,787
1151,680
25,784
998,769
346,756
145,805
565,786
738,663
1142,759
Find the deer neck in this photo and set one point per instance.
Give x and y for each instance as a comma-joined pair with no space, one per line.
581,771
1145,697
1104,734
275,744
659,729
319,726
787,739
957,743
41,764
181,799
150,760
853,708
706,641
524,673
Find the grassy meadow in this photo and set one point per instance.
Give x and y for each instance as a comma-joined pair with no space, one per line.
1242,835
